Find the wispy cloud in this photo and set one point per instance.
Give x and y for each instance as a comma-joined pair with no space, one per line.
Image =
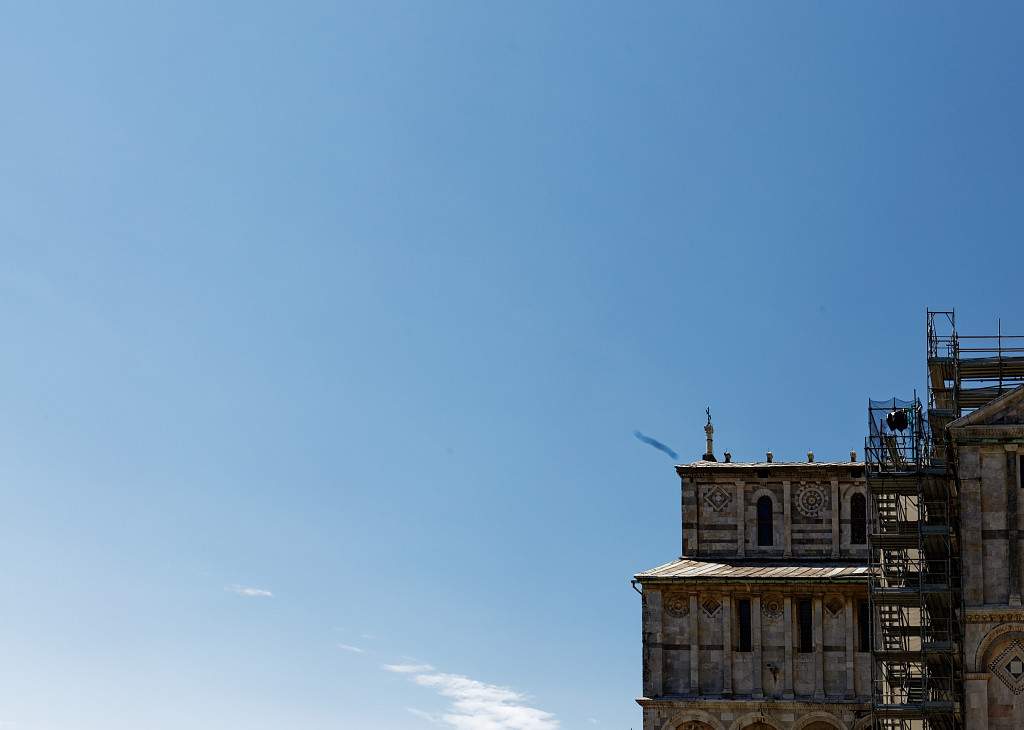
353,649
429,717
409,668
475,705
249,592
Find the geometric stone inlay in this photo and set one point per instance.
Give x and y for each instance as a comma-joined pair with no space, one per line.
810,500
834,606
717,498
771,608
1009,667
711,607
677,604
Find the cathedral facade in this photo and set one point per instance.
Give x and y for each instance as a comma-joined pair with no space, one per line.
884,592
990,449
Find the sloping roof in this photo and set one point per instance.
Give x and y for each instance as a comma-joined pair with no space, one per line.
751,571
982,415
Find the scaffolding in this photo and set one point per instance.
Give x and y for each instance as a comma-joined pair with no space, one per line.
967,371
911,471
915,572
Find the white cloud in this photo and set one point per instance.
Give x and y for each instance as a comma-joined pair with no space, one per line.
353,649
249,592
408,668
475,705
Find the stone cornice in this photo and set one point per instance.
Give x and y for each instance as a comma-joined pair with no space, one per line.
968,434
696,584
985,615
766,704
814,471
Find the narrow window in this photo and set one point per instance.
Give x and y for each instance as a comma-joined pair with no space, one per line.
864,625
858,520
743,607
764,521
803,618
1020,472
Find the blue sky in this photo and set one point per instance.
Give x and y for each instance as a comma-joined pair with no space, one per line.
327,328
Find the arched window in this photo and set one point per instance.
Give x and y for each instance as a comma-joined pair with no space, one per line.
858,520
764,521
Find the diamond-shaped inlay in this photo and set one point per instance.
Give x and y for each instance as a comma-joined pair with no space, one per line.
717,498
834,605
1009,666
711,607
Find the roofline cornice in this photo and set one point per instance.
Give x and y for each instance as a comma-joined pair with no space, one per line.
711,580
968,434
711,468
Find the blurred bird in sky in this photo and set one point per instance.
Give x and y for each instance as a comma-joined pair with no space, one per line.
656,444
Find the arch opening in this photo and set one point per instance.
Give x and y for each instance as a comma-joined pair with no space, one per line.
858,520
765,529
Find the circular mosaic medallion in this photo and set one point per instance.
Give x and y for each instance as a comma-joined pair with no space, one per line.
810,500
771,608
677,604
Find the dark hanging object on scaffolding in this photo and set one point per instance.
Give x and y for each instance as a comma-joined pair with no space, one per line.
897,420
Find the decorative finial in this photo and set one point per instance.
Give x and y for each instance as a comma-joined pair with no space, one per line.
709,432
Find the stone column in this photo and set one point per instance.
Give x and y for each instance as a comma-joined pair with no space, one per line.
694,645
787,522
727,644
1011,523
835,518
787,622
973,547
851,690
819,650
994,518
682,517
691,516
755,645
976,691
653,637
741,522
